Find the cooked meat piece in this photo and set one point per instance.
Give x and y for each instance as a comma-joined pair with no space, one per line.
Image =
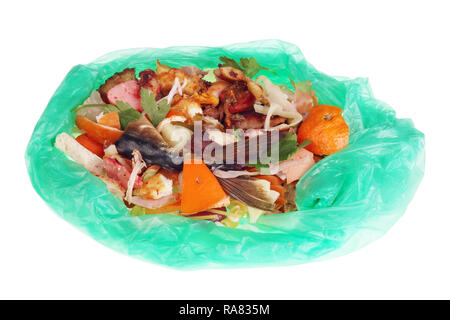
237,97
230,74
119,173
214,112
129,92
252,120
217,87
122,86
205,98
167,75
192,71
257,91
188,107
149,80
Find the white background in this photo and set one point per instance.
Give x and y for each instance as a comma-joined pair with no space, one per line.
402,46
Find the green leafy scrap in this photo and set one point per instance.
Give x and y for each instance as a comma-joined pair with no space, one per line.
156,111
287,147
210,76
249,66
228,62
127,113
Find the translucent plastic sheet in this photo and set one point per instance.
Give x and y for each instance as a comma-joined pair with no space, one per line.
345,201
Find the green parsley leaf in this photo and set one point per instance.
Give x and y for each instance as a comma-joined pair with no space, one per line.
249,66
252,67
127,116
228,62
122,106
127,113
110,108
156,111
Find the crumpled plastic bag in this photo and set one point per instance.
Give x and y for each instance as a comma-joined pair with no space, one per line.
345,201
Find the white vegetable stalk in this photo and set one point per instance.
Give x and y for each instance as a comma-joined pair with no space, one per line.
279,104
176,136
138,165
176,88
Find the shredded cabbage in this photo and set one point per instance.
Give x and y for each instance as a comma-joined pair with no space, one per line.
293,118
176,88
279,104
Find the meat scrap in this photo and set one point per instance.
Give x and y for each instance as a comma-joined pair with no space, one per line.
122,86
167,75
149,80
253,120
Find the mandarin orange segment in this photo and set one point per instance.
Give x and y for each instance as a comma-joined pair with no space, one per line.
110,119
326,128
97,132
201,190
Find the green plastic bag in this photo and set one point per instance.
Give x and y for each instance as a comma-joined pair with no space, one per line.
345,201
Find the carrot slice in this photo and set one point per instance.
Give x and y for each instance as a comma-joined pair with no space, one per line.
97,132
91,145
174,112
110,119
201,190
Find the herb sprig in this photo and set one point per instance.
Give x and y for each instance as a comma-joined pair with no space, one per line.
249,66
156,111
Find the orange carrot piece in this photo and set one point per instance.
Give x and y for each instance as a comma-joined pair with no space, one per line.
91,145
201,190
174,112
97,132
110,119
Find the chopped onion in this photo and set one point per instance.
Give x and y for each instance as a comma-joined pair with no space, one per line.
138,165
176,88
275,94
177,136
279,105
294,118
